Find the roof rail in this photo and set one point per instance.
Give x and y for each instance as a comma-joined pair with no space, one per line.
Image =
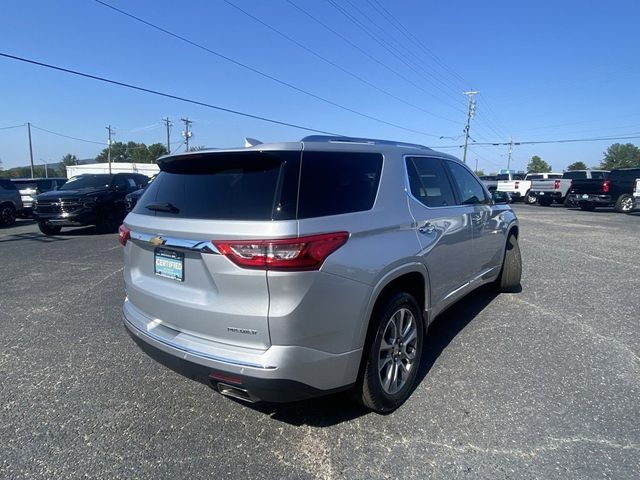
369,141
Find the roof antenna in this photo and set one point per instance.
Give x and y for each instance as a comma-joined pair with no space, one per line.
251,142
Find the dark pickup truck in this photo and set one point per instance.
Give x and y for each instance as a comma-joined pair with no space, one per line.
89,199
615,190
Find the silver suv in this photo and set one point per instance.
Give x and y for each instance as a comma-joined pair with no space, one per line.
286,271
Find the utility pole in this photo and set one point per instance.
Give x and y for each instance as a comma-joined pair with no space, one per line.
111,132
168,124
186,133
472,110
476,170
510,150
30,147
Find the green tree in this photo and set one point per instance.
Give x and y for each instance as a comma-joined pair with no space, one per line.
620,156
577,166
480,173
132,152
538,165
69,159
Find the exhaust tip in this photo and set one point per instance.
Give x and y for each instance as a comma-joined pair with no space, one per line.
235,392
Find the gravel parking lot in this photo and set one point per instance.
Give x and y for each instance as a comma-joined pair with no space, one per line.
540,384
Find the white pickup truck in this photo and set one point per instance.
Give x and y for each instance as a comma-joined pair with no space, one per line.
519,188
555,190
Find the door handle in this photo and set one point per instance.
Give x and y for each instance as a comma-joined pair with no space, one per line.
427,228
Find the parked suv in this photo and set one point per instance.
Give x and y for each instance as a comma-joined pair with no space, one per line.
10,202
286,271
89,199
30,188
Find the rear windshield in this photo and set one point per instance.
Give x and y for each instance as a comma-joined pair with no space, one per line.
236,186
512,176
266,185
575,175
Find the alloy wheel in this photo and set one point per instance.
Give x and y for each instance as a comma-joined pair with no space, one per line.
397,353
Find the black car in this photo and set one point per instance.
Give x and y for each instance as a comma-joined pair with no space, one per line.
89,199
132,198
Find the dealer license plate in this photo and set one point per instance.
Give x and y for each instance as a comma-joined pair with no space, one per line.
169,264
585,196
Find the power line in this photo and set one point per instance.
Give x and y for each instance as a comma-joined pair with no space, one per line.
263,74
162,94
389,49
333,64
628,136
13,126
63,135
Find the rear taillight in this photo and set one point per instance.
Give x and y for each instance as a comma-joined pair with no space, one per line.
556,184
605,186
302,253
123,234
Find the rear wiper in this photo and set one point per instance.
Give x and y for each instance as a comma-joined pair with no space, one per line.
162,207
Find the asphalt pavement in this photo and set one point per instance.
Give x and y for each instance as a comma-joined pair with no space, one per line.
544,383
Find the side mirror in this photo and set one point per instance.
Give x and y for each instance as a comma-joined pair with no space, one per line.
500,197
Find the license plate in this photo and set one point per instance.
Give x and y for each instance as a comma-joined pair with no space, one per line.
168,264
585,196
541,194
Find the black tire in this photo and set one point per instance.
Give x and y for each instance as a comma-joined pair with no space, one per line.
49,229
7,215
624,204
511,273
369,389
545,202
530,199
587,208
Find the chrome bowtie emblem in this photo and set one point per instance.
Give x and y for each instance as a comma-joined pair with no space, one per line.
157,241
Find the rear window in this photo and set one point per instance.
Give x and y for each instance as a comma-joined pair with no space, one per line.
575,175
333,183
263,185
234,186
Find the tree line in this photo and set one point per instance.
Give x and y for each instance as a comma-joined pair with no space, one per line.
120,152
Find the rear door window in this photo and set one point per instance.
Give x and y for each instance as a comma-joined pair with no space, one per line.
575,175
333,183
428,182
470,190
229,186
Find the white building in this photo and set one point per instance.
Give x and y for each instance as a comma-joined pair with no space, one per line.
148,169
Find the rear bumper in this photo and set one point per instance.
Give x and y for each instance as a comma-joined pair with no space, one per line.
278,374
86,217
591,199
544,194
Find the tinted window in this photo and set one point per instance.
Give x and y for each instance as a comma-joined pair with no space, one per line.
600,175
332,183
576,175
428,182
87,181
469,189
7,185
230,186
535,177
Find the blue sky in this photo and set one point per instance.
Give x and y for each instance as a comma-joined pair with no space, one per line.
546,70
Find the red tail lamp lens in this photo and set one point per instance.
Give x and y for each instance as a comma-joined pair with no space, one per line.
301,253
124,234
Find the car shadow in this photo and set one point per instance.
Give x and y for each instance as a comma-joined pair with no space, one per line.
36,237
340,407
